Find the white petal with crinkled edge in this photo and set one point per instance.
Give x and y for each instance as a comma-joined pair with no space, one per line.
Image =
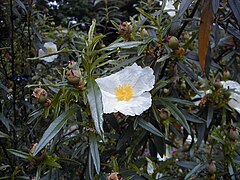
136,106
140,79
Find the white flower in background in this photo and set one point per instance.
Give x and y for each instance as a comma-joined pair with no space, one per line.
234,101
169,7
50,48
127,90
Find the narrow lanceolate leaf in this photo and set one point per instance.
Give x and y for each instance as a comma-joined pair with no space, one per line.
183,7
54,128
124,45
149,127
95,101
176,113
94,152
235,6
204,33
20,154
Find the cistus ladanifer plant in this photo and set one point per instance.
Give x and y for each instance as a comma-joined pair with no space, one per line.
151,96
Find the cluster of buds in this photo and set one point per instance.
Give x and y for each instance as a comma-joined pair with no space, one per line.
41,96
114,176
173,43
219,96
73,76
125,30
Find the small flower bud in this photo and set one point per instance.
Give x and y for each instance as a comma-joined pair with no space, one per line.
164,113
211,167
40,95
114,176
173,43
179,52
32,149
73,77
125,30
233,133
226,75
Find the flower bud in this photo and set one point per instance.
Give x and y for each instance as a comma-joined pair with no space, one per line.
211,167
180,52
226,75
40,95
73,77
114,176
173,43
164,113
233,133
125,30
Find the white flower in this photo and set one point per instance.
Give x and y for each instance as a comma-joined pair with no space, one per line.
235,94
169,7
50,48
166,156
127,90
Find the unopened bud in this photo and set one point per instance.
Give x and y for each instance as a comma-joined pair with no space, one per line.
114,176
40,95
212,167
180,52
73,77
164,113
233,133
125,30
173,43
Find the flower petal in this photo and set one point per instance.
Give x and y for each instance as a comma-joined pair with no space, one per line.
108,83
136,106
169,8
109,102
51,45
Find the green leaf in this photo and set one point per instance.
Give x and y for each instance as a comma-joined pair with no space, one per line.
149,127
195,170
20,154
209,115
54,128
51,161
95,101
124,45
6,122
94,152
3,135
91,30
175,112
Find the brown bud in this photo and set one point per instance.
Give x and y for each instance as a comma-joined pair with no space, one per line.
114,176
179,52
164,113
125,30
73,77
233,133
40,95
212,167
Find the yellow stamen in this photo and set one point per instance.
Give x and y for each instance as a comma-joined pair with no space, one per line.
124,92
50,50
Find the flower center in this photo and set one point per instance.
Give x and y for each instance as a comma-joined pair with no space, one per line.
50,50
124,92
